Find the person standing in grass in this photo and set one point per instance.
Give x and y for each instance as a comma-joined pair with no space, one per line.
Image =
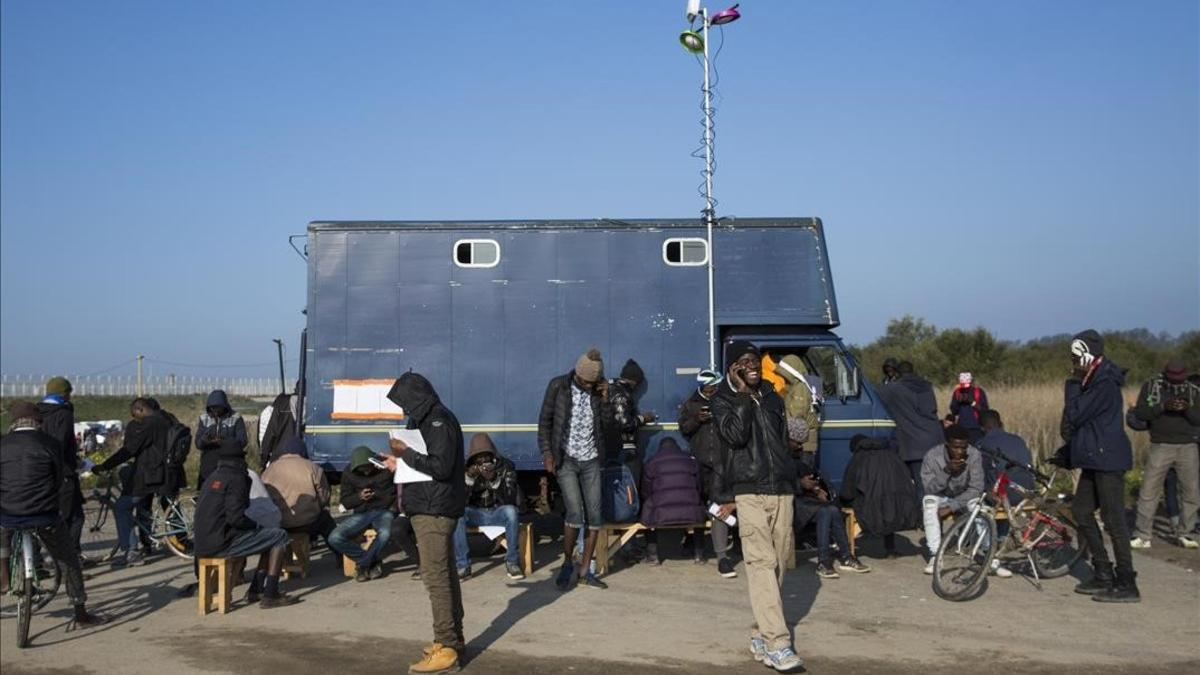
1170,407
1093,426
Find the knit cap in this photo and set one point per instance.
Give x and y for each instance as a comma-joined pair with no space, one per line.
590,367
58,386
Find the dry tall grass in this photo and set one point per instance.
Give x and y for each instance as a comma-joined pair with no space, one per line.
1033,411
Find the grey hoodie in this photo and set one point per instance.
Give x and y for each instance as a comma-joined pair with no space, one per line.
958,490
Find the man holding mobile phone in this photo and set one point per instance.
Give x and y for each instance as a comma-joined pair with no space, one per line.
1170,406
758,471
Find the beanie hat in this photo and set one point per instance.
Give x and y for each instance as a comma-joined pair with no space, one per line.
1087,346
1175,371
590,367
707,377
360,456
24,410
965,379
481,444
891,362
633,372
58,386
736,349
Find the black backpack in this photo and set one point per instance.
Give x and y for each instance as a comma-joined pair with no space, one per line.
178,444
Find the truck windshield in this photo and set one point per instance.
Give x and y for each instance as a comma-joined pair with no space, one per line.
827,362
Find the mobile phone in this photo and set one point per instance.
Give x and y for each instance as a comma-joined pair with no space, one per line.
377,462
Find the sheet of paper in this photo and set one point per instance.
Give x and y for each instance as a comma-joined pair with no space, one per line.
492,531
729,520
404,472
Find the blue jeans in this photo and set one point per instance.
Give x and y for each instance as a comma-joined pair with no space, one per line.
343,538
580,483
123,511
831,522
473,517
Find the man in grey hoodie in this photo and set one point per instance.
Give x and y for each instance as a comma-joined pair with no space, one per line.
952,476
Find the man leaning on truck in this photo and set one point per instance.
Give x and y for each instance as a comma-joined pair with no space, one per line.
570,437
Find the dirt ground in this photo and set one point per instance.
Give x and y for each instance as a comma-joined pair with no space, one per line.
679,617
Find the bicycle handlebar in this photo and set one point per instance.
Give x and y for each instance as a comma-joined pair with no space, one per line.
1008,462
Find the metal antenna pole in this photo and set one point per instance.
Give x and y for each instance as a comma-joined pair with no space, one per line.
282,385
709,207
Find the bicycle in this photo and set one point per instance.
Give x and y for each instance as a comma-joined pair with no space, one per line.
170,526
1041,532
106,500
32,583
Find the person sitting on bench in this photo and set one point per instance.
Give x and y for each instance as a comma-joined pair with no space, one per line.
671,489
223,530
300,490
367,491
952,474
816,501
493,498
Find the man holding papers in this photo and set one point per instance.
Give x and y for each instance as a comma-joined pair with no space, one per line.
434,507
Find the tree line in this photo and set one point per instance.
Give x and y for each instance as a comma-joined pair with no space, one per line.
941,354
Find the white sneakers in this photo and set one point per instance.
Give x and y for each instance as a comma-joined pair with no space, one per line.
929,567
1139,543
1000,570
1186,542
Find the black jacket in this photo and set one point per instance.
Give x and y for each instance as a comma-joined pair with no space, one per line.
221,508
368,476
502,490
879,487
445,495
1166,426
31,474
145,443
211,430
280,428
754,433
1094,421
554,420
913,406
701,436
58,422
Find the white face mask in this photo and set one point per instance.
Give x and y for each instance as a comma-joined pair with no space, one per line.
1079,350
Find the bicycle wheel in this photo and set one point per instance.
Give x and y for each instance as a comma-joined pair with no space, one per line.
173,527
24,609
1056,545
47,576
961,566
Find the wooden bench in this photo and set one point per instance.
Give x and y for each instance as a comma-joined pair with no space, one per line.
525,544
364,540
296,562
613,536
216,579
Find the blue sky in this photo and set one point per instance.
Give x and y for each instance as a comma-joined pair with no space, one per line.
1032,167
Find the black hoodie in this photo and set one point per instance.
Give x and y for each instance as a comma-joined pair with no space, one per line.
913,406
446,494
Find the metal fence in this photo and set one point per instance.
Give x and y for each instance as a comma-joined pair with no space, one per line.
18,386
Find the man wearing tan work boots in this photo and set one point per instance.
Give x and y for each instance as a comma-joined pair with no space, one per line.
434,507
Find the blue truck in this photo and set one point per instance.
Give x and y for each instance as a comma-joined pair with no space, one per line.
490,311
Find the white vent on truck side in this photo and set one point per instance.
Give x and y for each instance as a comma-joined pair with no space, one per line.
685,252
476,253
